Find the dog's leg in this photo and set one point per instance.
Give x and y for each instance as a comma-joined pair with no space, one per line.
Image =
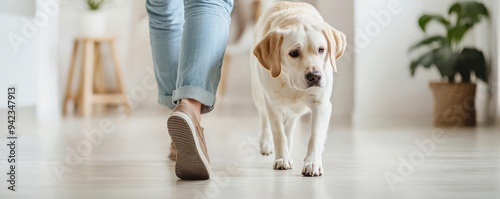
290,124
283,160
266,136
313,163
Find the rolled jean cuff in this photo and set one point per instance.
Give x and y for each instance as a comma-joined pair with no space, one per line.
206,98
166,100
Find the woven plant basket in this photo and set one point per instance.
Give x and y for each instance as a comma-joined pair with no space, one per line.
454,104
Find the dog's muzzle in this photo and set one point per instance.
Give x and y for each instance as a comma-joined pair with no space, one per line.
313,78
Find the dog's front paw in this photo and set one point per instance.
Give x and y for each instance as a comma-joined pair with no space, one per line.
266,147
312,169
283,164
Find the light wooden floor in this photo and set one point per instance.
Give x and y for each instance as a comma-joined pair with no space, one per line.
131,162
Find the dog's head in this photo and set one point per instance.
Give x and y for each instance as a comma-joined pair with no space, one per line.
301,51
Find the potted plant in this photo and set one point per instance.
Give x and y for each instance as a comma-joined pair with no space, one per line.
459,67
93,21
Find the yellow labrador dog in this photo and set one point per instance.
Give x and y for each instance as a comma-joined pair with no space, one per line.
292,74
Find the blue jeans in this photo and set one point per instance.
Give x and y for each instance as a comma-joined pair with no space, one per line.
188,40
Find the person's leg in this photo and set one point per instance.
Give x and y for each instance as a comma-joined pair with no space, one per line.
202,49
166,20
203,44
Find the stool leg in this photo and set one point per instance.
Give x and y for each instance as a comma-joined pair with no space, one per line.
88,78
119,76
99,81
68,94
79,93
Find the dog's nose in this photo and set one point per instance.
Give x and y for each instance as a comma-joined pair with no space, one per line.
313,78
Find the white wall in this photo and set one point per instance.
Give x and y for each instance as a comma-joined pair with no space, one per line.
23,8
384,91
340,14
29,54
140,69
18,65
46,19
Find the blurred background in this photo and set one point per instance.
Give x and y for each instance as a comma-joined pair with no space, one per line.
373,85
89,124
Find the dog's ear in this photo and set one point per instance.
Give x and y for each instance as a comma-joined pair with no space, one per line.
336,44
268,52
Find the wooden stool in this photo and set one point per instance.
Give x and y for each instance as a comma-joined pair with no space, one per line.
91,86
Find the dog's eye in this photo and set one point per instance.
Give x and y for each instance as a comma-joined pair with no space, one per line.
294,53
321,50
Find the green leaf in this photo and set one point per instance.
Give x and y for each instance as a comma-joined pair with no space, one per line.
95,4
413,67
430,40
425,19
456,34
445,60
464,68
468,12
426,60
456,8
471,60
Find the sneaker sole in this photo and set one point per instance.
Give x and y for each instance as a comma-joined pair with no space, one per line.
191,163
